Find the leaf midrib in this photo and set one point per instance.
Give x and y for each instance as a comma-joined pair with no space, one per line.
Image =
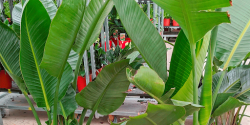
187,21
37,66
8,68
92,27
105,90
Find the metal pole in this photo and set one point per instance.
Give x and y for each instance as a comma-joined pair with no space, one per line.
86,66
148,9
102,39
159,19
59,2
1,120
92,56
162,20
107,32
154,13
11,8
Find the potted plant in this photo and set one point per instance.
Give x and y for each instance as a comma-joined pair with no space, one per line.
166,19
99,63
5,79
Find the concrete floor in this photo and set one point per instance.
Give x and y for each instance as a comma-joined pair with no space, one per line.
20,117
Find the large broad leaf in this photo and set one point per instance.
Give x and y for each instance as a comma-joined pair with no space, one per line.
193,17
144,35
229,104
17,13
162,114
245,81
148,81
185,85
109,85
84,30
181,64
68,103
9,54
235,34
72,60
34,31
16,17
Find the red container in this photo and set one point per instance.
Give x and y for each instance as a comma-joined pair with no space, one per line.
98,71
166,22
5,80
81,82
175,23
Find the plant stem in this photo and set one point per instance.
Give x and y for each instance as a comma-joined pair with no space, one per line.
33,109
64,114
56,101
78,64
242,113
49,116
90,117
84,111
195,85
169,42
218,86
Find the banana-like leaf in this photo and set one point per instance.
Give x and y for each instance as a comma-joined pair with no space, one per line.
194,16
189,107
235,35
68,102
162,114
72,60
109,85
221,98
9,54
184,86
34,31
229,104
16,17
144,35
91,26
181,64
17,13
62,34
148,81
245,81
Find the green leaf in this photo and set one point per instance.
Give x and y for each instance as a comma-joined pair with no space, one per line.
185,85
229,104
17,13
148,81
133,56
195,16
233,39
91,26
34,31
62,35
16,17
221,98
110,84
162,114
144,35
189,107
181,64
245,81
68,102
72,60
9,54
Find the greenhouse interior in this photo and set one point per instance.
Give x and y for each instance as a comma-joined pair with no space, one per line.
124,62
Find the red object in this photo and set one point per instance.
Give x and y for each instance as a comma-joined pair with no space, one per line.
152,20
121,44
5,80
81,82
231,3
166,22
98,71
175,23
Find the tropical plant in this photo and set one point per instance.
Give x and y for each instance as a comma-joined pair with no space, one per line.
49,55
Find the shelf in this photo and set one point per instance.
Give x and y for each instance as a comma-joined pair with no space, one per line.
172,27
